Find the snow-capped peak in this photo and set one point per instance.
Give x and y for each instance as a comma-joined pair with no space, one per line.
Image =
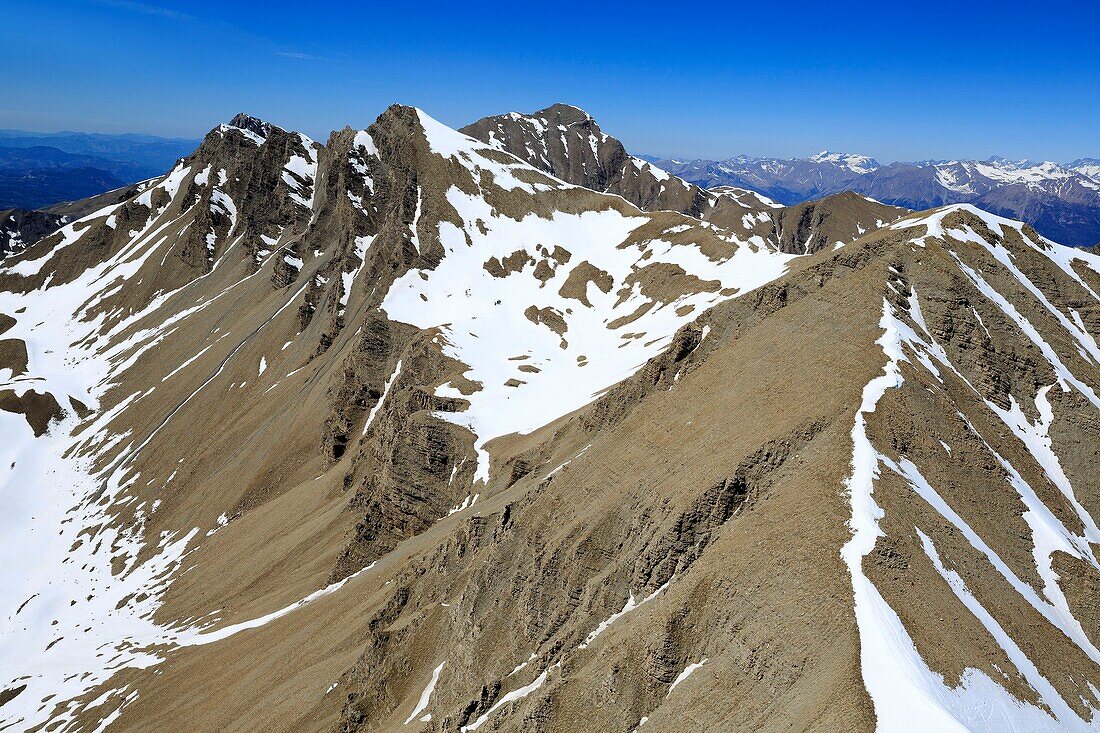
252,124
852,161
1089,167
1022,171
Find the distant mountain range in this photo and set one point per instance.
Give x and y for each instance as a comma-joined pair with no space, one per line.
1062,201
42,169
151,152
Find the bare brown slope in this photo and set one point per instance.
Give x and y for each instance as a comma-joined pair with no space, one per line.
718,470
686,487
830,221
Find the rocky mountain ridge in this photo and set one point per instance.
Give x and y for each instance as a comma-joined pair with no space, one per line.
404,431
20,228
568,143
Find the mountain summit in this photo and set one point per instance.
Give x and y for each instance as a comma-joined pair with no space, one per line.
858,164
566,142
421,430
252,124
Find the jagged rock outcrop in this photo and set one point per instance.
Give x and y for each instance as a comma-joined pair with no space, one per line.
566,142
20,228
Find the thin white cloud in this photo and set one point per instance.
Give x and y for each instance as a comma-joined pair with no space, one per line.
146,9
298,55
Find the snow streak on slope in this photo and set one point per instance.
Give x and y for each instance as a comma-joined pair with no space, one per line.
300,174
200,636
568,364
906,693
746,198
512,696
425,697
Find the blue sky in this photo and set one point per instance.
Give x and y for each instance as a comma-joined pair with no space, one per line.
898,81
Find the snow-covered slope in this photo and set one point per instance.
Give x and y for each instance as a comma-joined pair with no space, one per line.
550,311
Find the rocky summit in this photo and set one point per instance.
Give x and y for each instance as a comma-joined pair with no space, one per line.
507,429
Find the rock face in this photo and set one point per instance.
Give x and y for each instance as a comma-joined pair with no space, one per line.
832,221
20,228
566,142
562,140
403,430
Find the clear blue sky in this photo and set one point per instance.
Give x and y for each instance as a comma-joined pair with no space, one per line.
897,80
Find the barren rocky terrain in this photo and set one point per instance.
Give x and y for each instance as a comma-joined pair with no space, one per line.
508,430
